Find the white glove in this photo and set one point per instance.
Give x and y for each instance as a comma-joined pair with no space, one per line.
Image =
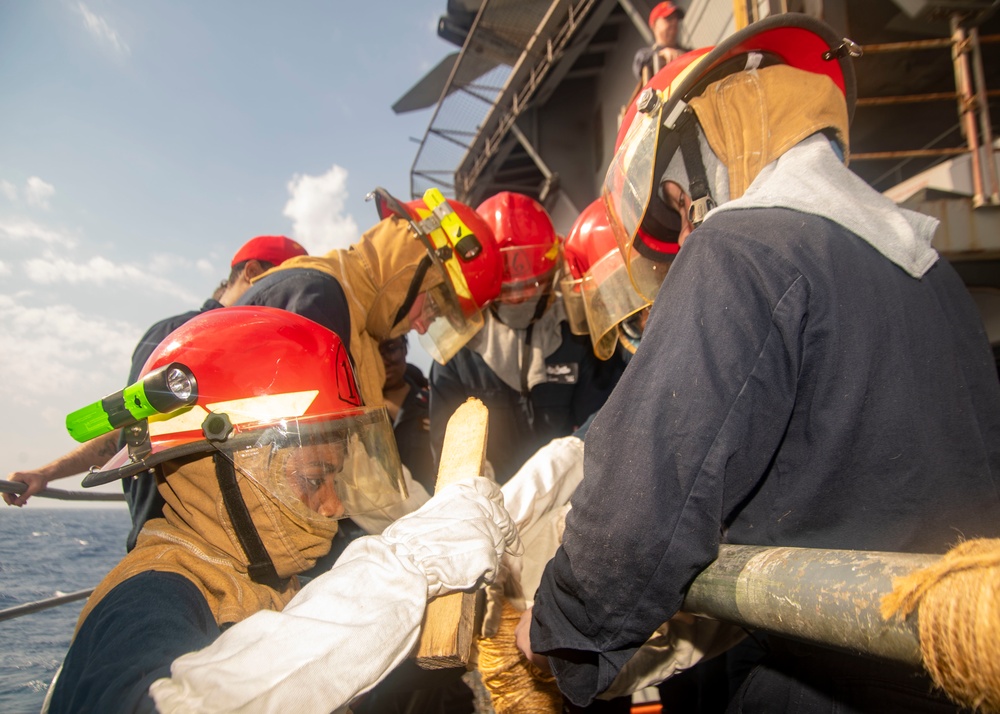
457,538
348,628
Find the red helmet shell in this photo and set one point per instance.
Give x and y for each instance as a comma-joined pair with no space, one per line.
589,240
277,365
519,221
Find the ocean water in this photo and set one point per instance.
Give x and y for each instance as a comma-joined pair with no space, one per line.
46,552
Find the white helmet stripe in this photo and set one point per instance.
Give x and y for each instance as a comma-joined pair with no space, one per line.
263,408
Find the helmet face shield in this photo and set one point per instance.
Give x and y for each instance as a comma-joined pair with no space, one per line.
609,298
528,271
572,295
332,469
630,330
442,326
448,315
628,188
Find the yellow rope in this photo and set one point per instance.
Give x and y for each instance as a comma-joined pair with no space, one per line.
959,609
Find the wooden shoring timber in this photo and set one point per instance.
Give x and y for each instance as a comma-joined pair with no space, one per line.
449,622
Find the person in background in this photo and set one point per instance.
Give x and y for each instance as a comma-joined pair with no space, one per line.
538,380
257,460
408,401
665,22
254,257
811,375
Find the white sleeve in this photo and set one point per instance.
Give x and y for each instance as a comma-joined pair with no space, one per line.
336,639
545,482
348,628
537,498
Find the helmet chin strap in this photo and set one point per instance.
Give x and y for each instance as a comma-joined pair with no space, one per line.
259,564
411,294
701,197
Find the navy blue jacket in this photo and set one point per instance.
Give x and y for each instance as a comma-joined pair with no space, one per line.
307,292
128,641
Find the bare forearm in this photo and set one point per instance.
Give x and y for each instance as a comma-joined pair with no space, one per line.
93,453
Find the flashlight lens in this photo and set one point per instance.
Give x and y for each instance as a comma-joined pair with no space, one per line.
180,384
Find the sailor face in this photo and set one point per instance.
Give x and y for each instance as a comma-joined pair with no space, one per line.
311,473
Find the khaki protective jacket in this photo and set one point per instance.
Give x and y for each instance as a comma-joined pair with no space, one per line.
375,274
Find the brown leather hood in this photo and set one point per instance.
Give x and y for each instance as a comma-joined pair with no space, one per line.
194,503
752,118
196,539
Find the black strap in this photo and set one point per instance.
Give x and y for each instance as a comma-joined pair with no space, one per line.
543,302
697,180
414,289
260,568
701,197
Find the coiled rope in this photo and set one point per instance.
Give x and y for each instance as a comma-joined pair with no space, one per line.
957,600
516,686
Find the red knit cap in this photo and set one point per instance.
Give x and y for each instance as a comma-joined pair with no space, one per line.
664,9
269,249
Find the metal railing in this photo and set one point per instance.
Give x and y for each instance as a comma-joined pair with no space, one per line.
17,487
32,607
972,99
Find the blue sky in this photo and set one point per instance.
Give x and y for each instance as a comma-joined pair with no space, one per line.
142,142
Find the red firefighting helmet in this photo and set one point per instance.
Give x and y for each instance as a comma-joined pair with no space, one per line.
462,246
600,277
649,136
269,384
528,244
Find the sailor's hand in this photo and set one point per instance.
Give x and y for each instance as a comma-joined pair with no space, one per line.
36,482
458,537
669,54
522,636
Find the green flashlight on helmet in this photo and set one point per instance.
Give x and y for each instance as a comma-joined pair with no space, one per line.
162,391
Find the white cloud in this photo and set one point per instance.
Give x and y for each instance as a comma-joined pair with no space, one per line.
9,190
38,192
53,270
4,268
206,267
316,207
56,350
24,229
100,29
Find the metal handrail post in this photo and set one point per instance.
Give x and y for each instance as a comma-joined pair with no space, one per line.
966,104
985,125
